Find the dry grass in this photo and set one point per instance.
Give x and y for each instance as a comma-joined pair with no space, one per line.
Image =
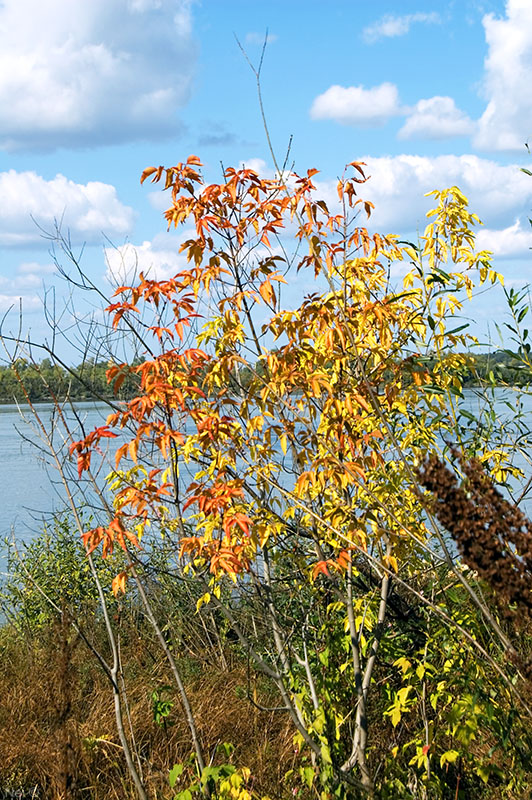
58,730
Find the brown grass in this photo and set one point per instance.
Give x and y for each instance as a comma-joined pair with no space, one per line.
58,730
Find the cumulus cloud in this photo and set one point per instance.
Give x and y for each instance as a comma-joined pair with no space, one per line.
436,118
30,202
496,193
158,259
77,73
355,105
391,25
511,242
34,267
30,274
507,121
397,186
431,118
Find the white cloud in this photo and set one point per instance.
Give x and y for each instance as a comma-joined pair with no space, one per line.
258,38
496,193
355,105
436,118
35,268
30,302
513,241
84,210
159,260
159,200
23,286
258,165
507,121
397,185
30,275
78,73
390,25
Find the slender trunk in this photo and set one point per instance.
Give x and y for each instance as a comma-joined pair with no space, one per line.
358,748
175,672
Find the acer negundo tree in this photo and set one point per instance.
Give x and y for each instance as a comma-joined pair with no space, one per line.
291,499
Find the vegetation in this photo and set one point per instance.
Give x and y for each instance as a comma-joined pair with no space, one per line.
280,609
48,381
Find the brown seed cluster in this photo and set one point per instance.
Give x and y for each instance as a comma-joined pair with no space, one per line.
493,536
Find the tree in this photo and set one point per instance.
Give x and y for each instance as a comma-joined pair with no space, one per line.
287,444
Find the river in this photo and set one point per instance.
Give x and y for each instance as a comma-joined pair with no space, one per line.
30,493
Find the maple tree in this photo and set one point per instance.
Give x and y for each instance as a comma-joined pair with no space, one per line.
288,437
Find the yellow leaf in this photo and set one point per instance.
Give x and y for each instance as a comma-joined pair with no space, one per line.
408,280
395,716
391,561
403,663
203,600
449,756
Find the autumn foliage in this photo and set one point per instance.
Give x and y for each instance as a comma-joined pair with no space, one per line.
296,373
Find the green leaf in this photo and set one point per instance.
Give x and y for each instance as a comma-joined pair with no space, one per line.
228,749
483,773
457,330
186,794
174,774
307,774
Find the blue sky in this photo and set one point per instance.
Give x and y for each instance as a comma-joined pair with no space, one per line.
428,94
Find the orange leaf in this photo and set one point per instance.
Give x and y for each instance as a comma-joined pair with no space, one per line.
321,566
133,446
266,291
119,583
147,172
120,453
91,539
362,402
343,559
83,462
239,519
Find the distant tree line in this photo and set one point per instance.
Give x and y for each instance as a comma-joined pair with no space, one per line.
503,367
48,381
497,368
